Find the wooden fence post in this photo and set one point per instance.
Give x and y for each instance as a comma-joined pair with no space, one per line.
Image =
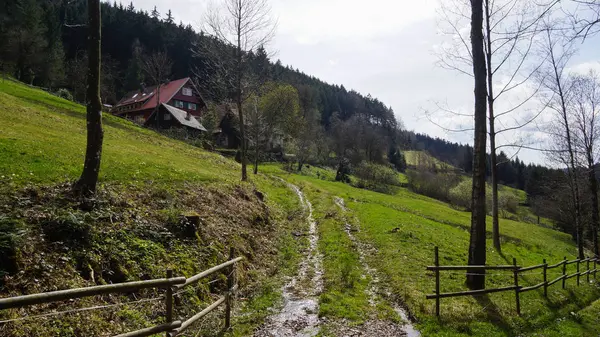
437,281
587,274
545,279
169,302
564,280
516,274
578,272
228,296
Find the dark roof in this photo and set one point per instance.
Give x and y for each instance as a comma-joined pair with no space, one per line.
183,117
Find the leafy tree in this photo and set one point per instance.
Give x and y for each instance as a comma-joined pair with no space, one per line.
271,116
396,158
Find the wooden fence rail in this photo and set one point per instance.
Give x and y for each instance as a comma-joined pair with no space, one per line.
171,327
516,270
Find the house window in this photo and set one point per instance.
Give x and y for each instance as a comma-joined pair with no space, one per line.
178,104
186,92
191,106
167,117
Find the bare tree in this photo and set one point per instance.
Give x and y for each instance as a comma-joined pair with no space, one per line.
586,107
244,25
95,135
585,18
158,68
510,30
558,91
477,252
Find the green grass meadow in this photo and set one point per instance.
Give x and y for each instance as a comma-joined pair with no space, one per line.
404,228
42,142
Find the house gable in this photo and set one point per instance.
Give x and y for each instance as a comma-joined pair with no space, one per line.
179,93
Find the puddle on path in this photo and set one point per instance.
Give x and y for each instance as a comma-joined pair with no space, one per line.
299,316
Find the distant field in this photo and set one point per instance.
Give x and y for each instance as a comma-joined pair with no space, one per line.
416,158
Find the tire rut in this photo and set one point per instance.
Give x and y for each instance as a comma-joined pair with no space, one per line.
373,327
299,316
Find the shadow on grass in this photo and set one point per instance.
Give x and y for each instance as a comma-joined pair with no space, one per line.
493,313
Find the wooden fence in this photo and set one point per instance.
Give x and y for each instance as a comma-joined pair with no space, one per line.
170,283
516,270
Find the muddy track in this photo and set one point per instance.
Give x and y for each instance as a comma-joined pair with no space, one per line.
373,327
299,316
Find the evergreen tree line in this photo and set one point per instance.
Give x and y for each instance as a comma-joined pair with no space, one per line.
44,43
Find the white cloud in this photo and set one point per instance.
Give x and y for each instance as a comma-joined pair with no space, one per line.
584,68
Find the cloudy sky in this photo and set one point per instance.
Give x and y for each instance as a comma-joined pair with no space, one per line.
382,47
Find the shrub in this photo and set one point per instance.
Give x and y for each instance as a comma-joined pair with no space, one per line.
376,177
434,185
64,93
508,201
68,228
460,195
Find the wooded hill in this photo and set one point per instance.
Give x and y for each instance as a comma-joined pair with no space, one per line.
44,43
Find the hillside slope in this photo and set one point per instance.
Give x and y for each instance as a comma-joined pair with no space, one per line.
400,232
49,240
134,230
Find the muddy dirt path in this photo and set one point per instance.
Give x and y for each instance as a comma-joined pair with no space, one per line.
299,316
373,327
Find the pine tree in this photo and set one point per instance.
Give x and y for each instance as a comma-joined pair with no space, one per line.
25,42
155,14
134,76
170,20
130,8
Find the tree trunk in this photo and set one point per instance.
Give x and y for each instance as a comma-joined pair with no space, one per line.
594,196
256,153
300,164
157,108
239,71
573,167
91,168
492,120
476,279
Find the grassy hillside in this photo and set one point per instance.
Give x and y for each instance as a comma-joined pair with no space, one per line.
404,228
416,158
135,229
